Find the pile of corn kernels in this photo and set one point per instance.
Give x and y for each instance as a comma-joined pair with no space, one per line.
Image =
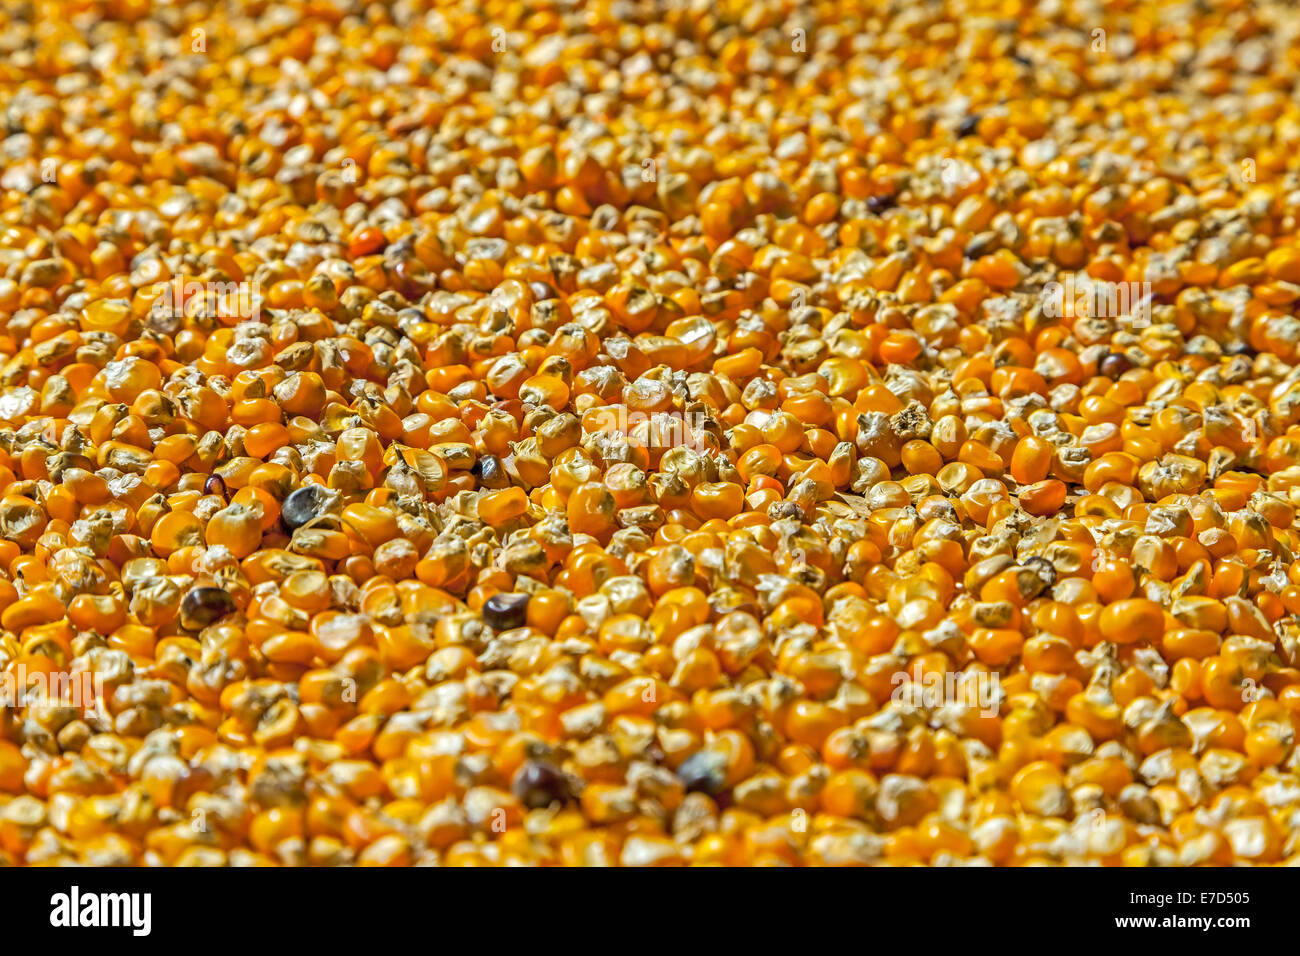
624,432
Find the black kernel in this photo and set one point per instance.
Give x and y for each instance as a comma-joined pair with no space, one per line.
204,606
1113,365
538,784
505,611
703,771
878,204
303,505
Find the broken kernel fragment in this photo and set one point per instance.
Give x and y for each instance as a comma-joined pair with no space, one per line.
648,434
